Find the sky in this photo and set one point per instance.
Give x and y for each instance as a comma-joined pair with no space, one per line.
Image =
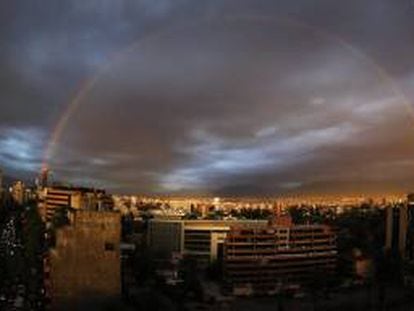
209,97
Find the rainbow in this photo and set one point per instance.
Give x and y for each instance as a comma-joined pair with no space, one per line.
89,84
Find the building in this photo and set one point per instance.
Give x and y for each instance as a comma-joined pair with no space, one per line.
396,228
85,263
410,199
265,260
165,237
399,229
198,239
52,198
18,192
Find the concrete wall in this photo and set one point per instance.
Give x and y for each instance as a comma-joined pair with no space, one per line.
85,263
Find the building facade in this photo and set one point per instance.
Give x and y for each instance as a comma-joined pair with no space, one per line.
399,229
197,239
52,198
18,192
266,260
85,262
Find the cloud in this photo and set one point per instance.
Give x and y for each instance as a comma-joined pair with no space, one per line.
204,103
21,149
266,131
211,160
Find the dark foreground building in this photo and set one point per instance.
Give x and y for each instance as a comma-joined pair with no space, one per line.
85,263
399,229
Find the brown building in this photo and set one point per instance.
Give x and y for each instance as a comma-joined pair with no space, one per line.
265,260
85,263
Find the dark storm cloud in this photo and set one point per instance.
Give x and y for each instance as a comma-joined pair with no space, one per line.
233,96
21,149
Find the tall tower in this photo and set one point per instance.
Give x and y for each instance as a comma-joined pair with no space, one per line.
410,227
44,177
410,200
1,184
399,229
18,192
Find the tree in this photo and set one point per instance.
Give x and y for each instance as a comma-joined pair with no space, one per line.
298,214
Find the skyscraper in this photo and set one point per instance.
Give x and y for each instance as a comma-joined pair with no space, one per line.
44,177
18,192
262,260
1,184
399,229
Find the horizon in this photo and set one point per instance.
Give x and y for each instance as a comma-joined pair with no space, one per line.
268,196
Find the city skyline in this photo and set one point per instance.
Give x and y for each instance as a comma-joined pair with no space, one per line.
219,98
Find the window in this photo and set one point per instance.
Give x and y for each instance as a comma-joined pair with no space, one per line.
109,246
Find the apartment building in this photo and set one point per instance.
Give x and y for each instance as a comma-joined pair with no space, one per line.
52,198
265,260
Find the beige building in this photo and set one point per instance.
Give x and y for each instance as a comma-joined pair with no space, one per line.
18,192
85,263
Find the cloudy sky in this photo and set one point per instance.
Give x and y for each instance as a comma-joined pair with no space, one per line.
224,97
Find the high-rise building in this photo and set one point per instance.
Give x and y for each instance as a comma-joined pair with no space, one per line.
44,178
1,185
266,260
53,198
85,264
410,227
399,229
410,199
18,192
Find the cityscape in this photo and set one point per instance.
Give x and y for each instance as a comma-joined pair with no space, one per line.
223,155
76,248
